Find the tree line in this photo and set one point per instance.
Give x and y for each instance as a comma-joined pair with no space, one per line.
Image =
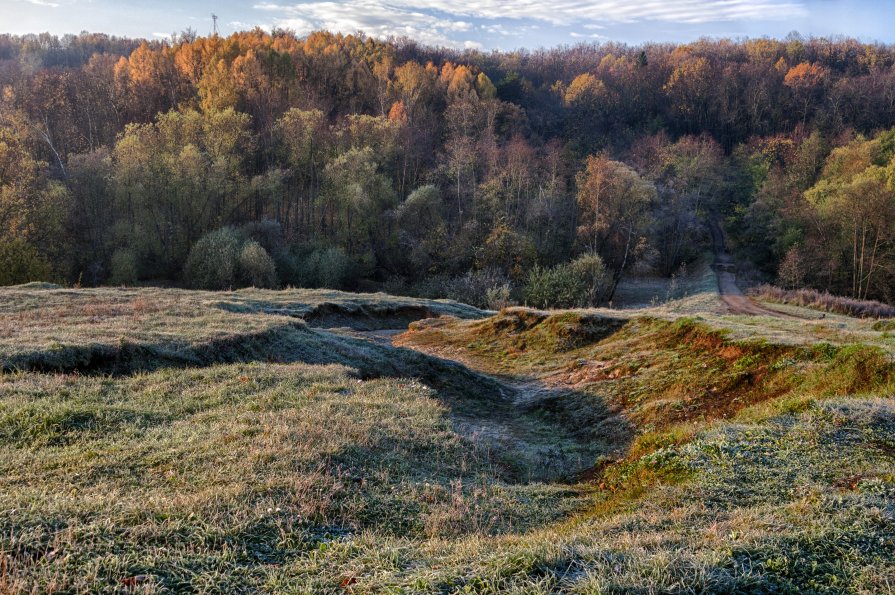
344,161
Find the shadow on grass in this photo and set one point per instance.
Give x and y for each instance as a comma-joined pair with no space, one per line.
362,313
534,435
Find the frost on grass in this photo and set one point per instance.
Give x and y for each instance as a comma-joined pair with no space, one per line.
238,449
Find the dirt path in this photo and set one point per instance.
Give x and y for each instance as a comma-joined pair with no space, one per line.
725,269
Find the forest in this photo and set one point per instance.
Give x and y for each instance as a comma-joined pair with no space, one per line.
537,177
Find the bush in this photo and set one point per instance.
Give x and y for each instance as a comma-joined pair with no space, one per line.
20,263
332,268
225,258
557,287
498,297
213,260
256,267
317,266
596,277
125,270
482,289
487,288
507,250
580,283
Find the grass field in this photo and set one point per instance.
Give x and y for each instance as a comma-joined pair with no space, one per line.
157,440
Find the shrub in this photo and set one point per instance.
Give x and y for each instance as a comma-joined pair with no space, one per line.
317,266
213,260
256,267
477,288
20,263
582,282
125,270
487,288
596,278
288,268
432,286
556,287
507,250
498,297
332,268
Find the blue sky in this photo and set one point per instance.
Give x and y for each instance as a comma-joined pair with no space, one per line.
487,24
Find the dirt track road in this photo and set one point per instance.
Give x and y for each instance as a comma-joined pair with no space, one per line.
725,269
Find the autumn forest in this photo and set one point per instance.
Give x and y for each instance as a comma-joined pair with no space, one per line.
540,177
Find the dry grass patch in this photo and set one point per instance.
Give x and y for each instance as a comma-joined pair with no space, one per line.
216,474
824,301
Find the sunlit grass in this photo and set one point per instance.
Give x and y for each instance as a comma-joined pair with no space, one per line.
184,441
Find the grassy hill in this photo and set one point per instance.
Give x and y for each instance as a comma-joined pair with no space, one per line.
156,440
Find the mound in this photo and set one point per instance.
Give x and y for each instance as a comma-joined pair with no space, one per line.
663,379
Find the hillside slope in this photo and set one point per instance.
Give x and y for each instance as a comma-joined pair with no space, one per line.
165,441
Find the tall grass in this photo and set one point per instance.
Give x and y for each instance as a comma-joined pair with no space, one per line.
825,301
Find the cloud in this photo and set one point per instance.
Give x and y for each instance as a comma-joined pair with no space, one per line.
243,26
618,11
377,18
466,24
43,3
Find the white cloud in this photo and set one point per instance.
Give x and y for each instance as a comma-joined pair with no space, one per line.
461,26
617,11
499,29
452,23
377,18
43,3
243,26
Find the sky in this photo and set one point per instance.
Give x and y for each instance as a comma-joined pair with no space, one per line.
481,24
